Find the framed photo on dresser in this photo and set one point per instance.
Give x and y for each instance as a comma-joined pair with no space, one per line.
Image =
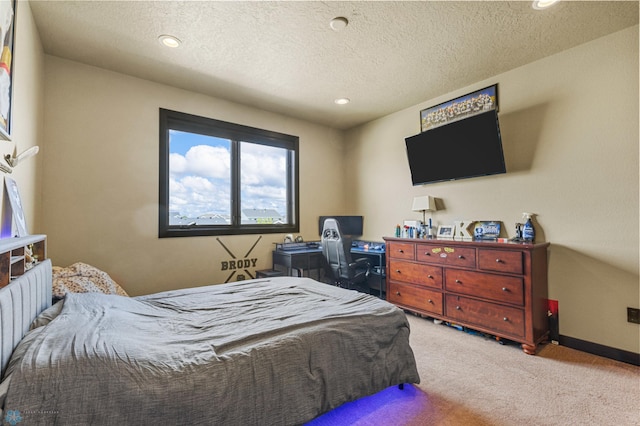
446,232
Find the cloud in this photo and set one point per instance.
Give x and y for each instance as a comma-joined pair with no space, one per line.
200,181
202,160
263,166
193,196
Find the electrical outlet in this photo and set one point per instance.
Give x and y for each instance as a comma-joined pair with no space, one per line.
633,315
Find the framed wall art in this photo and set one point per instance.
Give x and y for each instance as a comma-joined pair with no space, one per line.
16,207
7,35
456,109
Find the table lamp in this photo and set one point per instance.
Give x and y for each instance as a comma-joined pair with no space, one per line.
424,203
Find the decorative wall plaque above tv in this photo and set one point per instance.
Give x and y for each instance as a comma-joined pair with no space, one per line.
463,107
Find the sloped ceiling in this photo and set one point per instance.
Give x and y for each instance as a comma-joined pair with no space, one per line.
283,56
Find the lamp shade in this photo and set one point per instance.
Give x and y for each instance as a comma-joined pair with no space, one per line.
425,203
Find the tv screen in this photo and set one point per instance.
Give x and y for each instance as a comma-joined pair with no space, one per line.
349,225
466,148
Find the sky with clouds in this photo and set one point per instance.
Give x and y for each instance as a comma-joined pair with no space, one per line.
200,175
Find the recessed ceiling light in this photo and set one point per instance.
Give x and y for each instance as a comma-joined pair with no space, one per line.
544,4
339,23
169,40
342,101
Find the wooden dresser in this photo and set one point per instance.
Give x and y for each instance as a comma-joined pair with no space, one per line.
496,288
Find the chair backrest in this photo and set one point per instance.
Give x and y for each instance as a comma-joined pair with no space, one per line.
336,249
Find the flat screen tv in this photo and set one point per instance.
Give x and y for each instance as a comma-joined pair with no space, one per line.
466,148
349,225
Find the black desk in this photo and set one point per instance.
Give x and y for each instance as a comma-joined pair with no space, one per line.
312,259
300,260
377,276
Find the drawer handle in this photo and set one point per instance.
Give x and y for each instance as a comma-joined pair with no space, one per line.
430,301
505,319
426,253
398,271
397,293
499,261
458,281
429,276
458,308
505,289
460,257
400,250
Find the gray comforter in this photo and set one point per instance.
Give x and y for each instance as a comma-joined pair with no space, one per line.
262,352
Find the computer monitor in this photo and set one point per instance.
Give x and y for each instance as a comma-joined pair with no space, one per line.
349,225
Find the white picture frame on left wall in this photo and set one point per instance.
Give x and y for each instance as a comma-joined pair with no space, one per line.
16,207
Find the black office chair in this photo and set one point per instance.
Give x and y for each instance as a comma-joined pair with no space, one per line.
336,248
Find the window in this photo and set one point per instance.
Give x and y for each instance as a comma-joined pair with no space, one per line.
219,178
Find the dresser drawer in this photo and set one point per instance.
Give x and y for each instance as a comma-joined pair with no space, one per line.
445,255
501,261
417,273
486,286
416,297
401,250
492,317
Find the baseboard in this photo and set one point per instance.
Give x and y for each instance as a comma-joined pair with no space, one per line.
600,350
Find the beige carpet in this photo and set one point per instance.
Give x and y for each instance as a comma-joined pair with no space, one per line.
473,380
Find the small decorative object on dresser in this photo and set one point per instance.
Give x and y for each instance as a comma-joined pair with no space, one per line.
464,230
496,288
487,230
446,232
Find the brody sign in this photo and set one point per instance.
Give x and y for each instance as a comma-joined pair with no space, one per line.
239,264
236,265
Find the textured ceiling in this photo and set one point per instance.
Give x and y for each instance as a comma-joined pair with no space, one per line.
283,56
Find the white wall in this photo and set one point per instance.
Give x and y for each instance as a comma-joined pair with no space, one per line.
570,134
100,189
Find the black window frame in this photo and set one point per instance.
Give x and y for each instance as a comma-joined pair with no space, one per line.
174,120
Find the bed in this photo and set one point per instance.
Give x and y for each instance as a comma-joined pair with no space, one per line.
278,351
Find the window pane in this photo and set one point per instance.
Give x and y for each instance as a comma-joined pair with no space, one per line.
221,178
199,179
263,184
